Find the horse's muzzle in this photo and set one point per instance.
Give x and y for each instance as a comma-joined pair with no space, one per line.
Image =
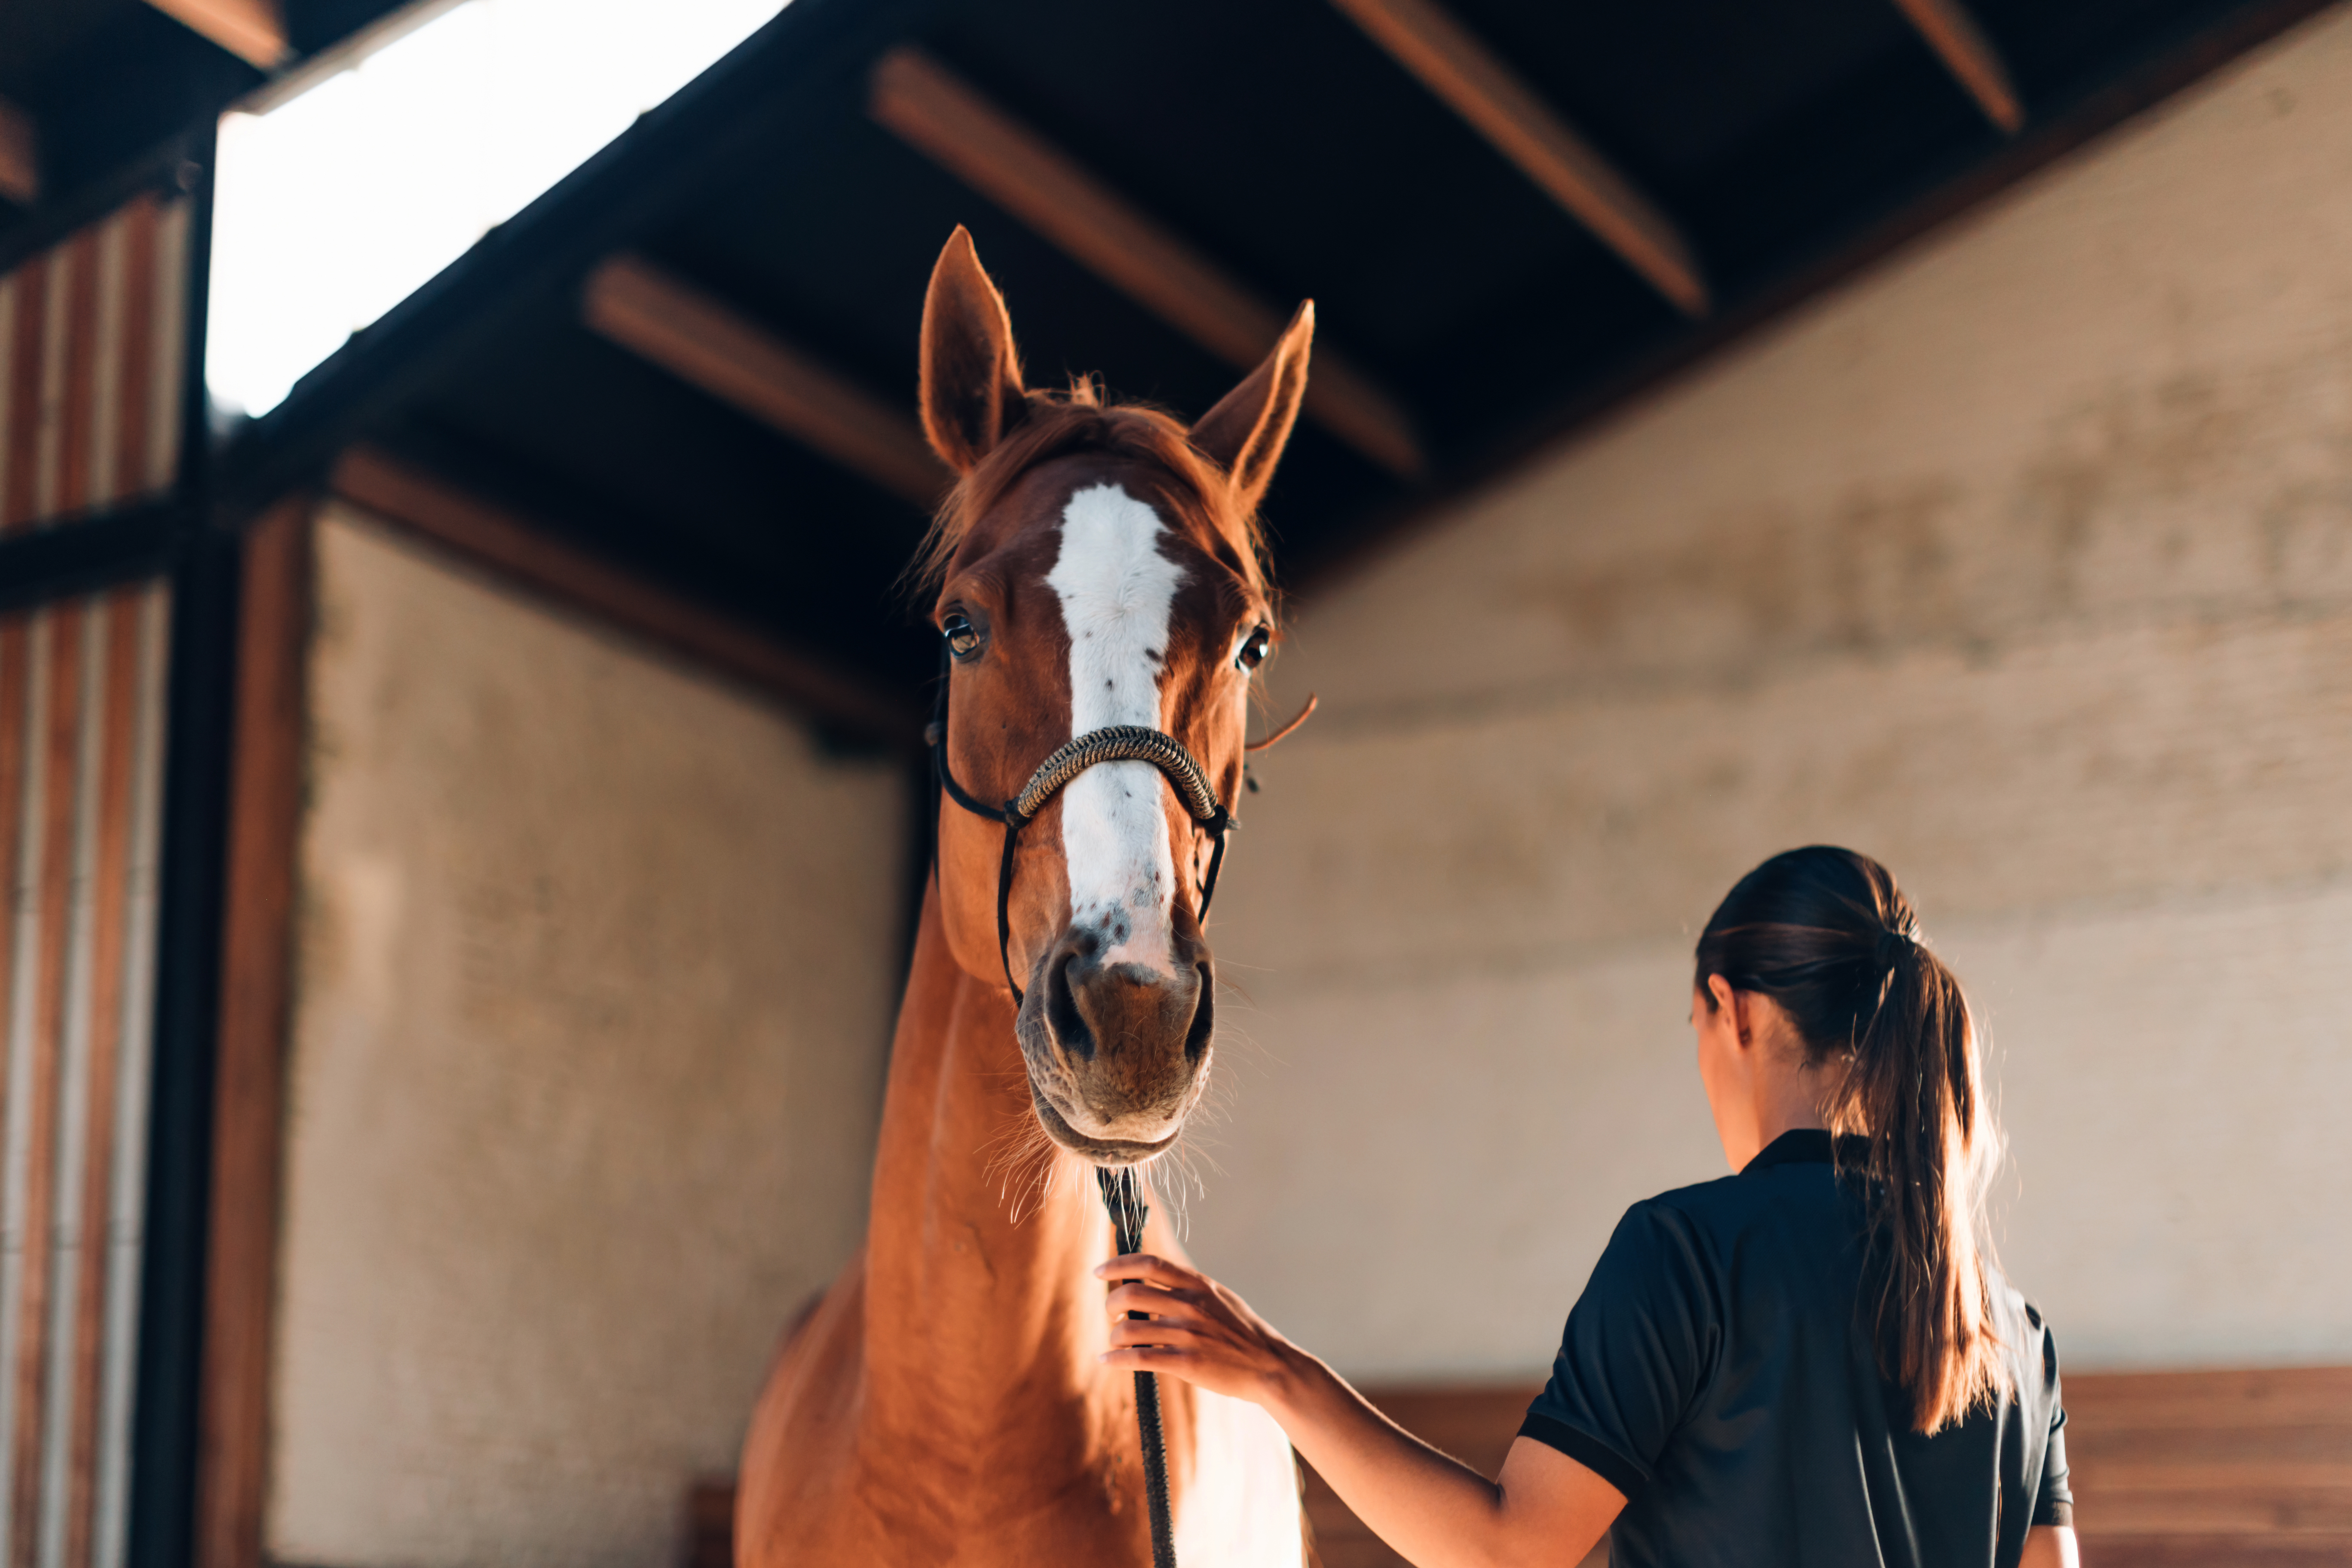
1117,1053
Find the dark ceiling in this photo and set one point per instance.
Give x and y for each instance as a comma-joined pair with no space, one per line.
1788,140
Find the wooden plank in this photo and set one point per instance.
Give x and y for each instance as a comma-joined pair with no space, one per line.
1953,32
2262,1397
508,545
119,715
945,119
20,161
1420,35
136,384
61,751
2090,1443
708,344
252,30
18,501
2256,1502
2212,1552
77,408
257,979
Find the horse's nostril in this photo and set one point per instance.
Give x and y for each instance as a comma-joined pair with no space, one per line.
1062,1015
1204,1015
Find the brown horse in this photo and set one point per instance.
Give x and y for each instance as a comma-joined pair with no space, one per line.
943,1403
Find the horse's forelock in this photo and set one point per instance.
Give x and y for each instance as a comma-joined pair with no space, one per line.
1059,424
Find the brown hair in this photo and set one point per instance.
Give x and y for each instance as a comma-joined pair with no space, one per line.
1828,936
1048,425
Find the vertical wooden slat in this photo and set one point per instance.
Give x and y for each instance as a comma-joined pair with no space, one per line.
119,715
134,396
73,334
8,335
79,373
125,1220
16,691
23,434
87,350
170,294
60,749
134,349
256,974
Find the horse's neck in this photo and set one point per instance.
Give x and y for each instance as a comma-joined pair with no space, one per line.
969,1309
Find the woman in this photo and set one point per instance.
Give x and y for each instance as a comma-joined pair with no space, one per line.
1812,1361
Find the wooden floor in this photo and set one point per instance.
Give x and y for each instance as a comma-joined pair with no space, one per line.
2215,1469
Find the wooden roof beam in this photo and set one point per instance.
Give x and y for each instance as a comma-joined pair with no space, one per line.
1951,30
1478,86
705,342
20,162
942,117
518,549
252,30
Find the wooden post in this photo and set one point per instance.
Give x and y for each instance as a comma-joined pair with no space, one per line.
249,1093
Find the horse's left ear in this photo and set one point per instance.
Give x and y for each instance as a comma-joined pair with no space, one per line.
1247,429
971,374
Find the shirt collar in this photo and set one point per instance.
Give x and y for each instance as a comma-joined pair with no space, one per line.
1807,1146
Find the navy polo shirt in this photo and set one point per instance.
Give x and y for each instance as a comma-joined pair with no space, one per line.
1720,1371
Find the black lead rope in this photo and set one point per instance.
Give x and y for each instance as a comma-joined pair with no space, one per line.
1123,1196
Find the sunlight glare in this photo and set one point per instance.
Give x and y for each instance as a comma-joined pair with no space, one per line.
335,206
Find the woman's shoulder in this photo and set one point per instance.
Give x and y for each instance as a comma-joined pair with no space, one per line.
2023,1328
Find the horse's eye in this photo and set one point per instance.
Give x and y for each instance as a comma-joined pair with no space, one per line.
1254,647
963,637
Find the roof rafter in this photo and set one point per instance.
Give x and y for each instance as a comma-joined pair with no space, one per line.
252,30
1951,30
1478,86
522,550
707,343
20,163
948,121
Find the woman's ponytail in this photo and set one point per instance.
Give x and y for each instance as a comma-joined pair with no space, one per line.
1828,936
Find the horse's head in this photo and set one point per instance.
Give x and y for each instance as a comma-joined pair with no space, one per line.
1097,567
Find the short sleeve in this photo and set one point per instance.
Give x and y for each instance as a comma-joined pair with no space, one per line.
1637,1349
2053,1499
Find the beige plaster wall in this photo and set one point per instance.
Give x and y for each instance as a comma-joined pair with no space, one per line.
598,960
2024,562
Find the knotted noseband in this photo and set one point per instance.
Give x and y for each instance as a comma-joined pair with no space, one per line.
1111,743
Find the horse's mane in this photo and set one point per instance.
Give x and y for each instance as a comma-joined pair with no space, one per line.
1058,423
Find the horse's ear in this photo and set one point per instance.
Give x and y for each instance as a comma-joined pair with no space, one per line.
1247,431
971,374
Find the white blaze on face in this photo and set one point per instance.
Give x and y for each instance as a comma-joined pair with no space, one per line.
1116,589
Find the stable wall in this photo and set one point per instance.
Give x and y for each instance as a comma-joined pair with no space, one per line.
597,964
2024,562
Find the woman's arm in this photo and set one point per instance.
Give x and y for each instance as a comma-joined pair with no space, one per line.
2050,1546
1435,1510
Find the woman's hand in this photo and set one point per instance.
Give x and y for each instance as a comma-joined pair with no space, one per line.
1198,1331
1548,1510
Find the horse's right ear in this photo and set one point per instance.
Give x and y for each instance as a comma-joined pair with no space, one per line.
1248,428
971,374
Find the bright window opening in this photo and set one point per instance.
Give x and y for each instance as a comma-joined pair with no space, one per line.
334,205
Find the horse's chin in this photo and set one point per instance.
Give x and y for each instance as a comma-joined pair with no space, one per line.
1110,1153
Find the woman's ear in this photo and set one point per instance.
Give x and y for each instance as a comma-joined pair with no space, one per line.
1244,433
972,393
1727,1005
